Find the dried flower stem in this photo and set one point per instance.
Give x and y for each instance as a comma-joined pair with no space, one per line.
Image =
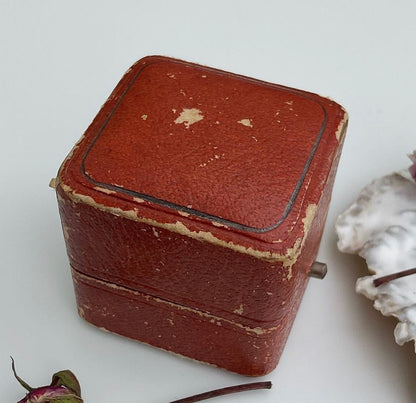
225,391
385,279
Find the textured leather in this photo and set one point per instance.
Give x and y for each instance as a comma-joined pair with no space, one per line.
193,188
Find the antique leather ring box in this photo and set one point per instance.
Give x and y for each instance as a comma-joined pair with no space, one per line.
193,207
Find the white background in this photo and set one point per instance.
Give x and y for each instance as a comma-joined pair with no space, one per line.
59,60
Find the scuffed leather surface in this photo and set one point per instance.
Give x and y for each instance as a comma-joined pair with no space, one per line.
244,173
175,267
183,332
108,251
250,182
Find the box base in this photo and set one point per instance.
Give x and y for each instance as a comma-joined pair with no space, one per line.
188,332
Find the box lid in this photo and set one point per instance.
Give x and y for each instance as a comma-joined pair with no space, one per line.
209,152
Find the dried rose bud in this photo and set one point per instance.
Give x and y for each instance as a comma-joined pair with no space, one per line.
46,394
412,168
64,388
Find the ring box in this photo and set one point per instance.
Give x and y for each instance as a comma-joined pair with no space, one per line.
193,208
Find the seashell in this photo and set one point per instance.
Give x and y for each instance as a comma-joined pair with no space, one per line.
380,226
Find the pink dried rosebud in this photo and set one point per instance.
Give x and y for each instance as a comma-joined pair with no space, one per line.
46,394
64,388
412,168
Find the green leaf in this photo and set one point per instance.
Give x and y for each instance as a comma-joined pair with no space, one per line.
68,379
20,380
